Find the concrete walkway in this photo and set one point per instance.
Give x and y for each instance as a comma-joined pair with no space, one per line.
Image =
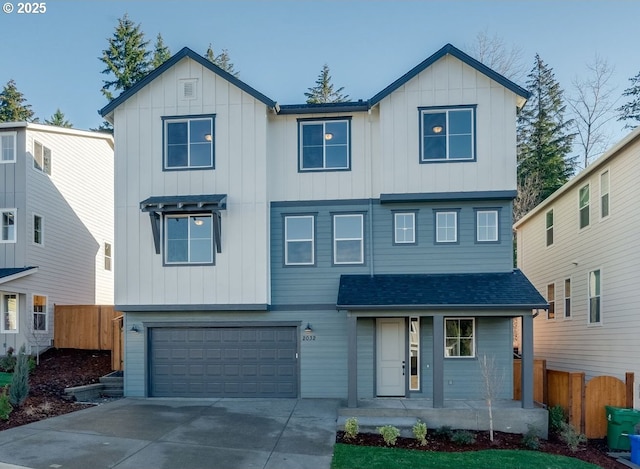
179,433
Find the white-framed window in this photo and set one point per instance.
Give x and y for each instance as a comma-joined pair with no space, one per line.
551,299
39,313
459,338
108,258
41,158
567,298
414,354
404,228
604,194
8,225
583,206
188,142
188,238
38,230
9,311
447,134
549,227
446,227
8,151
595,297
486,226
324,145
348,239
299,234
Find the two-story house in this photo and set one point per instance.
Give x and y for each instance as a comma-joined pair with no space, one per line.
578,249
348,250
56,222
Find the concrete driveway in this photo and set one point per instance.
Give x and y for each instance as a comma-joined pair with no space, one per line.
179,433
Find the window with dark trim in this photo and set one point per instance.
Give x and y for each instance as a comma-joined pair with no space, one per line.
459,338
447,134
324,145
299,240
188,238
487,226
446,227
188,142
348,239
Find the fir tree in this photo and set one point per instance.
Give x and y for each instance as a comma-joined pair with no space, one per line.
324,92
58,119
161,52
223,60
544,138
630,111
12,105
126,57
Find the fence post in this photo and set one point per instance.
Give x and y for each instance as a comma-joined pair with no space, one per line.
629,382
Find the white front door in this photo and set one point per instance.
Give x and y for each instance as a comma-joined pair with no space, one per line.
391,357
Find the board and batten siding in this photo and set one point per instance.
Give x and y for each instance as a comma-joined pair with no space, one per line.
240,273
607,244
13,195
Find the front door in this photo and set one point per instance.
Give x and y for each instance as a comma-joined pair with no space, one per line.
391,356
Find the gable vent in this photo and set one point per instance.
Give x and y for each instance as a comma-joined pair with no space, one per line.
187,89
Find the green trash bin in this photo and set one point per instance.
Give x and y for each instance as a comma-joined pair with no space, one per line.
621,423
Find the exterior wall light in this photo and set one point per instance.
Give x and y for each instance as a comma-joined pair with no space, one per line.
308,329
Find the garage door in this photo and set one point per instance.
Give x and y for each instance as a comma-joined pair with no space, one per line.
223,362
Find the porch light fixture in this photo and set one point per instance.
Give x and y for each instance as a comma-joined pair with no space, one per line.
308,329
134,328
437,129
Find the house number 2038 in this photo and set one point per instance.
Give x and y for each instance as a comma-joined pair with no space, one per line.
308,337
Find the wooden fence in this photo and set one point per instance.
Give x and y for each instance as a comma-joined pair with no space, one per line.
582,402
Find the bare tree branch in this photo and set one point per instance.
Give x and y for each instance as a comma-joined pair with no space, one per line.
494,53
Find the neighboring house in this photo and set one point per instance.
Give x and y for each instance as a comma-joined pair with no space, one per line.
56,217
579,249
348,250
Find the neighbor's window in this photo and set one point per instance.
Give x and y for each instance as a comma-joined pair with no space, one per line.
188,239
299,240
41,158
594,297
583,206
188,142
8,147
414,354
447,134
567,298
604,194
37,230
8,222
324,145
459,337
551,299
404,228
39,313
9,310
107,256
486,226
549,227
446,227
348,239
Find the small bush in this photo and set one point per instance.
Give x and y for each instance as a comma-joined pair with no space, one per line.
19,390
531,439
463,437
8,361
556,419
351,428
570,436
390,434
5,405
32,363
444,431
420,432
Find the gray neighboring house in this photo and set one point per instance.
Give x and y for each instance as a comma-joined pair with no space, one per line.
348,250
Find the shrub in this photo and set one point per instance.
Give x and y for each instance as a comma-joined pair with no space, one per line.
556,419
5,405
444,432
8,361
390,434
19,389
351,428
420,432
463,437
531,439
570,436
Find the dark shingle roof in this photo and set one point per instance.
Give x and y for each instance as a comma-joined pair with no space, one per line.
10,271
499,290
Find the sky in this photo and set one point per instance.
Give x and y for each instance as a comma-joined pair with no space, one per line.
279,47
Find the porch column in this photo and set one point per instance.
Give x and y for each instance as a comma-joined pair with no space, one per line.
438,361
352,360
526,381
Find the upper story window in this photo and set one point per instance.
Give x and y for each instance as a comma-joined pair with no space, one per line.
41,158
583,206
446,227
8,225
9,310
486,226
188,239
551,299
324,145
447,134
8,147
299,240
37,230
549,227
107,256
594,297
348,239
604,194
459,338
188,142
404,228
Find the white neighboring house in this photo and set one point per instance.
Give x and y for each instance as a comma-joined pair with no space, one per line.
56,234
580,249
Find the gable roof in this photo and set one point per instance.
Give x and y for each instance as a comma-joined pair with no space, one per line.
13,273
185,52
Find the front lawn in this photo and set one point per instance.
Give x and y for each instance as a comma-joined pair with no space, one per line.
369,457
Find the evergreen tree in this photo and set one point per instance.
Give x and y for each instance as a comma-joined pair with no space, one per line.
58,119
544,138
19,390
161,52
324,92
12,105
126,57
630,112
223,60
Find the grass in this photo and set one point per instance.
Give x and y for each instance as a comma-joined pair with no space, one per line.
368,457
5,378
